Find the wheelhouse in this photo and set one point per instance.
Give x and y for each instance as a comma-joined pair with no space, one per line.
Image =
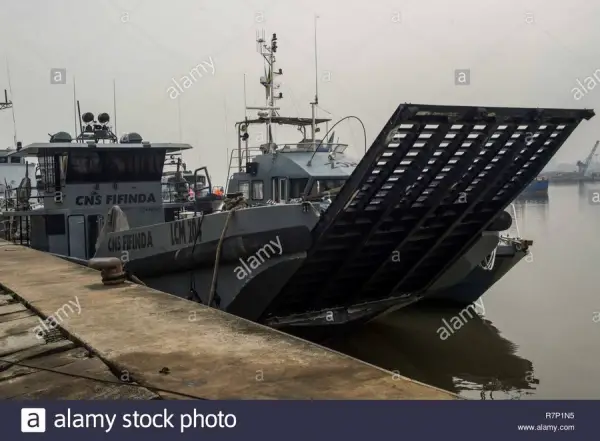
282,173
78,182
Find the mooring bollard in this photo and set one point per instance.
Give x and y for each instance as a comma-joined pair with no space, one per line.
112,269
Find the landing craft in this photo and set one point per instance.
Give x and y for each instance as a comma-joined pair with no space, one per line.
432,188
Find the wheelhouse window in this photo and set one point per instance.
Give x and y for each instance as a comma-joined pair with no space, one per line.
274,189
297,187
15,160
50,170
115,166
283,190
3,160
257,190
244,188
322,186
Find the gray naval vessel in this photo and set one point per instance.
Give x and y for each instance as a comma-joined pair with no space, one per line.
306,237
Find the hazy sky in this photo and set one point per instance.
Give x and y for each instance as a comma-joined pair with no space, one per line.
373,55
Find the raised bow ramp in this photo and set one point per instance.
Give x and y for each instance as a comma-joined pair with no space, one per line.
433,180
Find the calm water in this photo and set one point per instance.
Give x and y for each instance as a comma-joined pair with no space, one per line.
537,339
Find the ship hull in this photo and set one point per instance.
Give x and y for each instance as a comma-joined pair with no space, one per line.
256,261
410,220
479,280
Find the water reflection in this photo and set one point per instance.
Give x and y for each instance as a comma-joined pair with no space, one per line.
475,361
528,212
535,200
546,305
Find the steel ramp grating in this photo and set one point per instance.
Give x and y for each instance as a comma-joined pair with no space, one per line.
432,181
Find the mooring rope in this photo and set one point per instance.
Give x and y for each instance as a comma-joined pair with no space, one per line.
232,205
489,261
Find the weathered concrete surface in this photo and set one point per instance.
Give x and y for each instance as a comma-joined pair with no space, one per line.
43,360
165,342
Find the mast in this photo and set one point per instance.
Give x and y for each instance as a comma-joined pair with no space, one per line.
268,52
245,103
75,106
80,120
315,103
239,128
11,105
179,118
115,105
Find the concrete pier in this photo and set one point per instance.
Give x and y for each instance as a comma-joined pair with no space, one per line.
174,348
52,367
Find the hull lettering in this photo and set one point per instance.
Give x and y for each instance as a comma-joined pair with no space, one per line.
116,199
184,232
131,242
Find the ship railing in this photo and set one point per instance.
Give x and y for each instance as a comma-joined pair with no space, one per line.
15,228
11,200
304,146
174,192
239,160
187,190
244,156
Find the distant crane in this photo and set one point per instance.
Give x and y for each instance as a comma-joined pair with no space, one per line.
582,167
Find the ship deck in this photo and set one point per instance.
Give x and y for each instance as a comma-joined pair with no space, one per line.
172,347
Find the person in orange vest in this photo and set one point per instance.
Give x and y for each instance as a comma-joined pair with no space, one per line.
219,191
